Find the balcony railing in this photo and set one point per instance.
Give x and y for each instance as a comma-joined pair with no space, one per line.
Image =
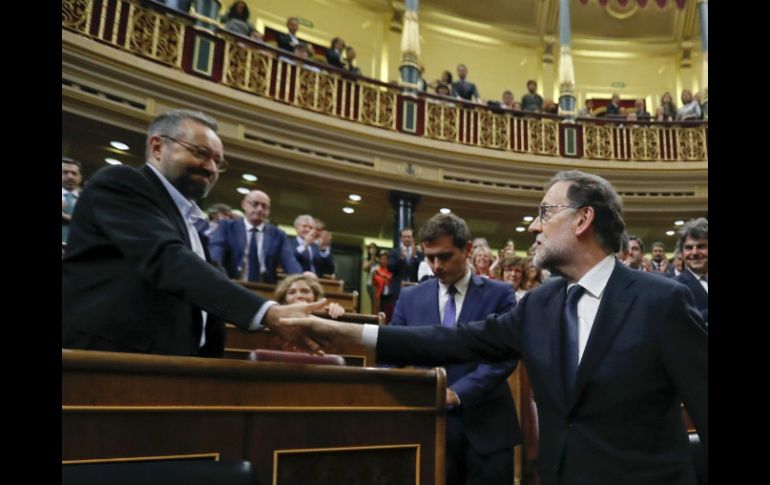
197,47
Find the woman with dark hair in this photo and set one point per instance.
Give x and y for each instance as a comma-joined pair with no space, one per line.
334,53
669,108
446,78
236,20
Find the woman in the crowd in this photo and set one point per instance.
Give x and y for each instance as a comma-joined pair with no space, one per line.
668,106
532,277
481,261
381,278
236,20
508,251
511,270
369,266
334,53
304,288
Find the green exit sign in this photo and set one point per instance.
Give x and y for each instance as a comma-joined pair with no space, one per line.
618,84
305,22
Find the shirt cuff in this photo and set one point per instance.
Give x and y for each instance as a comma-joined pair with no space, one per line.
369,335
325,253
256,322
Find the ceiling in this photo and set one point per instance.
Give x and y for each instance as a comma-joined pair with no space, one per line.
292,194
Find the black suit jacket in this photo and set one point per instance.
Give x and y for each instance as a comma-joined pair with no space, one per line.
402,269
131,282
701,297
647,352
334,58
322,264
284,42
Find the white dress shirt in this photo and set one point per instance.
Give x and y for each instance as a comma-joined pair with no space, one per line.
260,250
443,296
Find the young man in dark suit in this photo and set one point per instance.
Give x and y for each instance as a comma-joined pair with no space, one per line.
482,427
250,248
610,352
136,277
694,242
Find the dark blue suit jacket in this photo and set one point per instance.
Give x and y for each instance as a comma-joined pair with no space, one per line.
401,269
647,352
323,265
487,411
228,244
701,297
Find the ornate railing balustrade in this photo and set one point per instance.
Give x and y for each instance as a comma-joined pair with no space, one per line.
197,46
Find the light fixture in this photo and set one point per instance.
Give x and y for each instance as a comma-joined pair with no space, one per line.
113,161
242,190
348,210
354,197
678,223
669,233
119,145
520,229
445,210
249,177
528,218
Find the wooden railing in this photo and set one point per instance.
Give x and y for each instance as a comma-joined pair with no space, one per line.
180,41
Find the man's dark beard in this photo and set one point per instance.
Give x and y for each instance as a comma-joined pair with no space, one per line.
190,188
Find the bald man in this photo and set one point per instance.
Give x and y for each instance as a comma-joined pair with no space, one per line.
250,248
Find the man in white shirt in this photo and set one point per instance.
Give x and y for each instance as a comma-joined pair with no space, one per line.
694,242
611,353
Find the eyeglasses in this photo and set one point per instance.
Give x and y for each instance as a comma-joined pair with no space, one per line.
201,153
546,214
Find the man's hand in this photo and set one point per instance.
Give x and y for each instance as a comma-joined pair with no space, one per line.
310,238
335,310
451,398
331,336
293,334
325,240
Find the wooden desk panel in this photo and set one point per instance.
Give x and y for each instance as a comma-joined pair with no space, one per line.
131,405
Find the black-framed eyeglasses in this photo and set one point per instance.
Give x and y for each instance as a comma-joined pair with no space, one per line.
200,152
546,213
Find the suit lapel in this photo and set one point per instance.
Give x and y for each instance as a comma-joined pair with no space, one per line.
240,238
432,294
167,203
610,317
552,326
472,298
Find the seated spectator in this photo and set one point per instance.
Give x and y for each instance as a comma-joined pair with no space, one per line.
236,20
462,88
641,113
668,106
586,112
350,55
690,109
532,101
304,288
613,109
507,101
660,114
289,41
334,53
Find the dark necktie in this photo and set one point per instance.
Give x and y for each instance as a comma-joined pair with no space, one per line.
450,309
570,339
254,256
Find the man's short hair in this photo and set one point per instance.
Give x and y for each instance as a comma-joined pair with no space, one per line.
589,190
303,217
658,244
623,242
507,92
638,240
446,225
168,124
71,161
531,81
694,228
219,208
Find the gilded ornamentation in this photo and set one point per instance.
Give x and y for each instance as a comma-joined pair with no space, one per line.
247,69
645,143
156,36
440,120
74,14
691,143
493,130
543,136
597,141
378,106
317,91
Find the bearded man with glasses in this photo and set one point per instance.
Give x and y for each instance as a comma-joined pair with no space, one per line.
137,276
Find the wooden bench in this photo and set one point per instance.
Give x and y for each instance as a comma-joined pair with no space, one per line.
328,284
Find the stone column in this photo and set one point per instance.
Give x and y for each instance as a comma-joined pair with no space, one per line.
566,71
410,48
404,205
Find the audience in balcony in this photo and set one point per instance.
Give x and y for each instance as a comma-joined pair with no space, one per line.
422,83
462,88
586,112
690,109
660,114
350,55
334,53
704,104
289,41
236,20
641,113
668,105
507,101
532,101
443,89
550,107
446,78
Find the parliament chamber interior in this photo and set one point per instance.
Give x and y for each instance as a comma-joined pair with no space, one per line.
351,140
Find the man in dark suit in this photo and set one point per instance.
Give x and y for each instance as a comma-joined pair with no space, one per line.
482,427
403,263
308,254
251,248
694,242
136,276
289,41
462,88
610,352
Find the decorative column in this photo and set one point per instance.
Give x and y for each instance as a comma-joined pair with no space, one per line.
410,48
703,10
566,71
404,205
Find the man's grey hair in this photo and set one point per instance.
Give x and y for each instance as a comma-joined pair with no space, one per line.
303,217
168,124
694,228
